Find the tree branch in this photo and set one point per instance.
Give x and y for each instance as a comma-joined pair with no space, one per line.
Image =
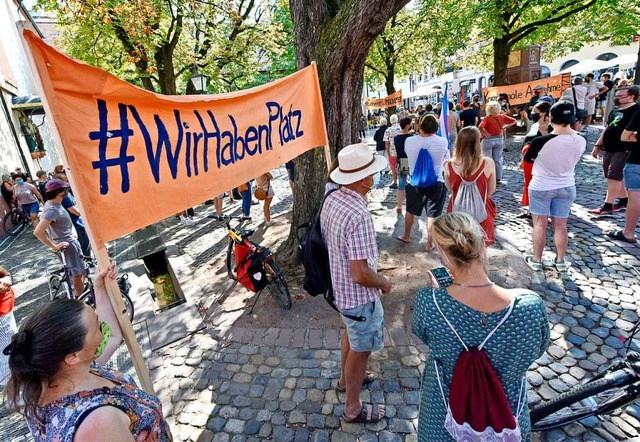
521,33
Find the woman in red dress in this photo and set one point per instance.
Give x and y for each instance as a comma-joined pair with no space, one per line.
469,164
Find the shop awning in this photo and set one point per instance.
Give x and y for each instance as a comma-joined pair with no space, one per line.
32,104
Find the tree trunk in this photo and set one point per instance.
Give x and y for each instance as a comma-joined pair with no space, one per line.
636,80
501,49
338,36
166,69
388,83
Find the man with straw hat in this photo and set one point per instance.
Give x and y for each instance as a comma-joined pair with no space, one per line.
347,227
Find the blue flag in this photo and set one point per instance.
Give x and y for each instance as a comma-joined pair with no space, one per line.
443,130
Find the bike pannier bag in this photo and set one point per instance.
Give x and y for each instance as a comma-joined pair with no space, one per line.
250,269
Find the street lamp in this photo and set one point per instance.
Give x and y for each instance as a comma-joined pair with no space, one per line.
199,82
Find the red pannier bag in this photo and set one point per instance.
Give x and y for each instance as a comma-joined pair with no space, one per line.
249,268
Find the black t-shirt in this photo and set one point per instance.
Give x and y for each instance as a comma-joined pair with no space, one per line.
634,150
378,137
398,142
468,117
619,119
609,84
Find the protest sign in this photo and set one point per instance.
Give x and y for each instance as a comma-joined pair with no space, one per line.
394,99
140,157
521,93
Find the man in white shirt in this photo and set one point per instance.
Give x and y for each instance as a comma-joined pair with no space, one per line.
429,198
594,89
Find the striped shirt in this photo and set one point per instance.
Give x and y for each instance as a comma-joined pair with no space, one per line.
348,231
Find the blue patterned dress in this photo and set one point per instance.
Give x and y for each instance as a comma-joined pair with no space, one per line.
63,416
521,340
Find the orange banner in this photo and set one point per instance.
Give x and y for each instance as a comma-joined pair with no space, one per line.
521,93
394,99
139,157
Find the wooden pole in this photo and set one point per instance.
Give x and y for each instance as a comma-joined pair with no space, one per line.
96,242
327,149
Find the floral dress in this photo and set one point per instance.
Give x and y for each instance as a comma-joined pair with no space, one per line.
63,416
521,339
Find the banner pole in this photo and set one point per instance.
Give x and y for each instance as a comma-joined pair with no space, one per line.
98,246
327,148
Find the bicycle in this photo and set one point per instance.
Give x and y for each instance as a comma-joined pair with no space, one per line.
60,286
615,387
15,221
275,281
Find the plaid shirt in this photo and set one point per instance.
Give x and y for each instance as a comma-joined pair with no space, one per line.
347,228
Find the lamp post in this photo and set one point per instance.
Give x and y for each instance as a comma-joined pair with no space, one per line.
199,82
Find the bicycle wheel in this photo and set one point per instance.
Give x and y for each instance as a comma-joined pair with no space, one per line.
278,285
128,305
598,396
231,261
13,223
57,287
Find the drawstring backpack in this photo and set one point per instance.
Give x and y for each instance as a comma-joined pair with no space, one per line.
468,199
478,409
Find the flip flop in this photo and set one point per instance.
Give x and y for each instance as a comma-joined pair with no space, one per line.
619,236
401,239
398,209
369,377
368,415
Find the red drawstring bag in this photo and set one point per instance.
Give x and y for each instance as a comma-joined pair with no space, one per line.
478,408
250,269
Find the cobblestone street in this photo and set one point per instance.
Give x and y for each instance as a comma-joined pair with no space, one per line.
248,384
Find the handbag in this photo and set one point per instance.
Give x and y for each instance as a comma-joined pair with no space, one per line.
260,193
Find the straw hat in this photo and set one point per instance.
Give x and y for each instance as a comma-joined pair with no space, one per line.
356,162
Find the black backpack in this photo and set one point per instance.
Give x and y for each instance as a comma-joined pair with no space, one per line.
313,254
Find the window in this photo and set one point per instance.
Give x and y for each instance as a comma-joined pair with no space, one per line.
568,64
606,56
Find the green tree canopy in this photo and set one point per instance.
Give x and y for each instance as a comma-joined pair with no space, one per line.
157,44
479,34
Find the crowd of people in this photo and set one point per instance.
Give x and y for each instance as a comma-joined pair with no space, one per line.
56,357
471,312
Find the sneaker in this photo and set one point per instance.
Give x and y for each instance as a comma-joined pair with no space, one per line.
600,211
535,265
269,223
187,220
618,207
245,218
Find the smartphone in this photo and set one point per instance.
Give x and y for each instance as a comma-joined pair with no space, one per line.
442,275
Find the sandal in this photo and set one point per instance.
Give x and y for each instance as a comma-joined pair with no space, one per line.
618,235
561,266
535,265
368,415
398,209
369,377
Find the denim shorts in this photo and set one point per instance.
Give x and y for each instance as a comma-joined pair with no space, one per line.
27,209
632,177
555,203
402,180
365,335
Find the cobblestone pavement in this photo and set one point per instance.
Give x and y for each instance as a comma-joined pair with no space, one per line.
279,383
